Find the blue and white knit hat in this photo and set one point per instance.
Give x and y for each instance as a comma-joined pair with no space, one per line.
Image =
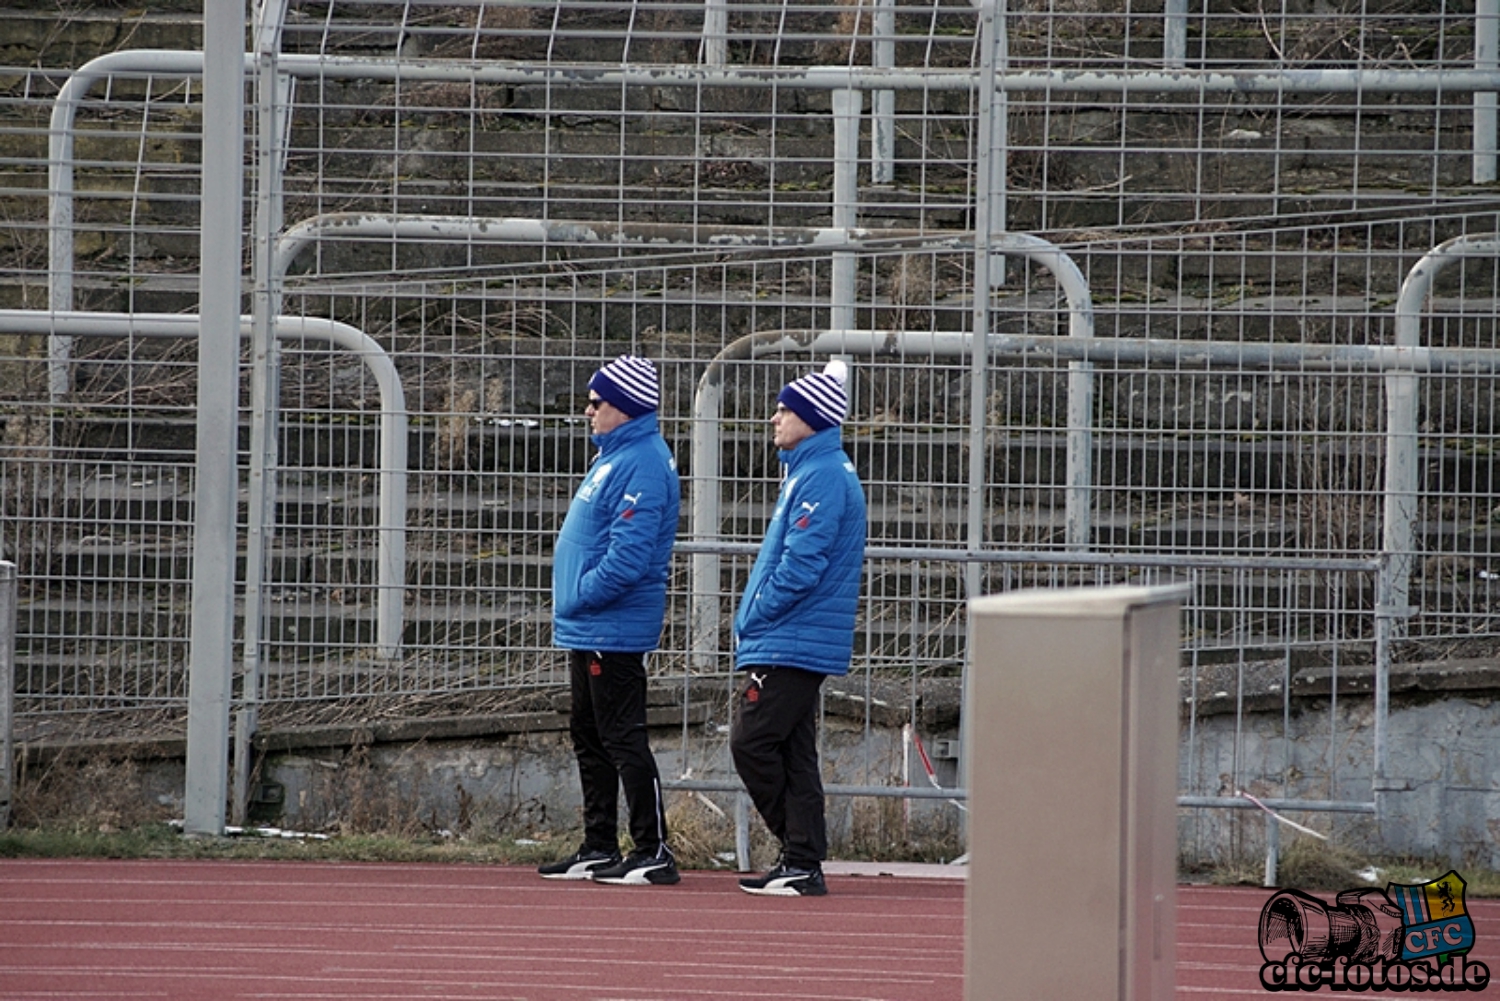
629,383
819,399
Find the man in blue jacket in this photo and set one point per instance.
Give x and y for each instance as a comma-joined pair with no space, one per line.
609,596
795,627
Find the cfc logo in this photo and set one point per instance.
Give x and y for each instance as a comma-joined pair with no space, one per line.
1406,938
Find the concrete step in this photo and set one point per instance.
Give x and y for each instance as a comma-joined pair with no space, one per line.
39,34
1119,269
475,540
1249,461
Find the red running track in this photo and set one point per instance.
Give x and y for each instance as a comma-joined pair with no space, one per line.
187,930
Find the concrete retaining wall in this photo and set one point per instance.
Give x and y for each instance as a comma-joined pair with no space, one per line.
1444,769
514,775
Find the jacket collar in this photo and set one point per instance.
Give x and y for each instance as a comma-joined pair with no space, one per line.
632,430
826,440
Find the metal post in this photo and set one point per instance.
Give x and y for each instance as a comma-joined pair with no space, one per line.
704,519
1400,497
1174,34
989,219
997,145
1385,628
1486,59
1273,848
984,228
9,585
215,495
846,110
883,102
1077,511
271,90
715,33
742,830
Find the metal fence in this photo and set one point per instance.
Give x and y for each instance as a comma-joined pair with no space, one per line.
458,210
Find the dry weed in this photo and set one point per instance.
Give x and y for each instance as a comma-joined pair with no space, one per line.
1312,864
85,791
701,833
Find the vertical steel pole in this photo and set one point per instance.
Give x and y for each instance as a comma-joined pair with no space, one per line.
706,570
983,231
271,91
1174,34
742,831
883,102
216,493
1486,59
989,219
846,110
1273,849
1398,547
715,47
1078,505
1385,628
9,584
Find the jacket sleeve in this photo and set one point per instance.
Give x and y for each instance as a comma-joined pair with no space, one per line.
639,507
813,514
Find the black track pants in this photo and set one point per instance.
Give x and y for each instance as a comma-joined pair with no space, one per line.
608,727
775,746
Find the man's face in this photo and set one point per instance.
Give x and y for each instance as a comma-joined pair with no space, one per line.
603,416
787,429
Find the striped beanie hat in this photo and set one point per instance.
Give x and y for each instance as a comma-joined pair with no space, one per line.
629,383
819,399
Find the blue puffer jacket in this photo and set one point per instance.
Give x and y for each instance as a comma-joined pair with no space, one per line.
609,567
799,604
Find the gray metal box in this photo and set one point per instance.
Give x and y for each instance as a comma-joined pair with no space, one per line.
1071,729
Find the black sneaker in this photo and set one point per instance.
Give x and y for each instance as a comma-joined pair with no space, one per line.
788,881
658,868
580,865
